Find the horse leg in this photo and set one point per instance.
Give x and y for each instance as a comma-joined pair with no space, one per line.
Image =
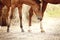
43,8
36,9
30,16
0,12
20,16
12,10
8,19
0,16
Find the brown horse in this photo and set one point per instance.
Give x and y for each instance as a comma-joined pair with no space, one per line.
31,12
5,18
43,8
35,6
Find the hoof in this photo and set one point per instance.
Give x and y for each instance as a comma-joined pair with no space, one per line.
7,30
22,31
42,31
29,30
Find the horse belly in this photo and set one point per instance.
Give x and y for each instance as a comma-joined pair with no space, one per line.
28,2
14,1
52,1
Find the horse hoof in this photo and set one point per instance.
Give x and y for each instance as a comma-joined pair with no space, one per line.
22,31
29,30
7,30
42,31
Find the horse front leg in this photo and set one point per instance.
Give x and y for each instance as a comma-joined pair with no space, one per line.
20,16
30,17
43,8
36,9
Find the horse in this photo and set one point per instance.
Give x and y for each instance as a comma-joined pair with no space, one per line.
45,3
35,6
44,6
5,20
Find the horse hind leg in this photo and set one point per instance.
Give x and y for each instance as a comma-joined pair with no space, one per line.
12,10
8,19
20,16
8,26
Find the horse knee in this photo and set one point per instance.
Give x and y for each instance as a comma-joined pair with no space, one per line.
40,19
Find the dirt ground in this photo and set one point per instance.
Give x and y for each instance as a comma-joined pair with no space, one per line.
51,27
